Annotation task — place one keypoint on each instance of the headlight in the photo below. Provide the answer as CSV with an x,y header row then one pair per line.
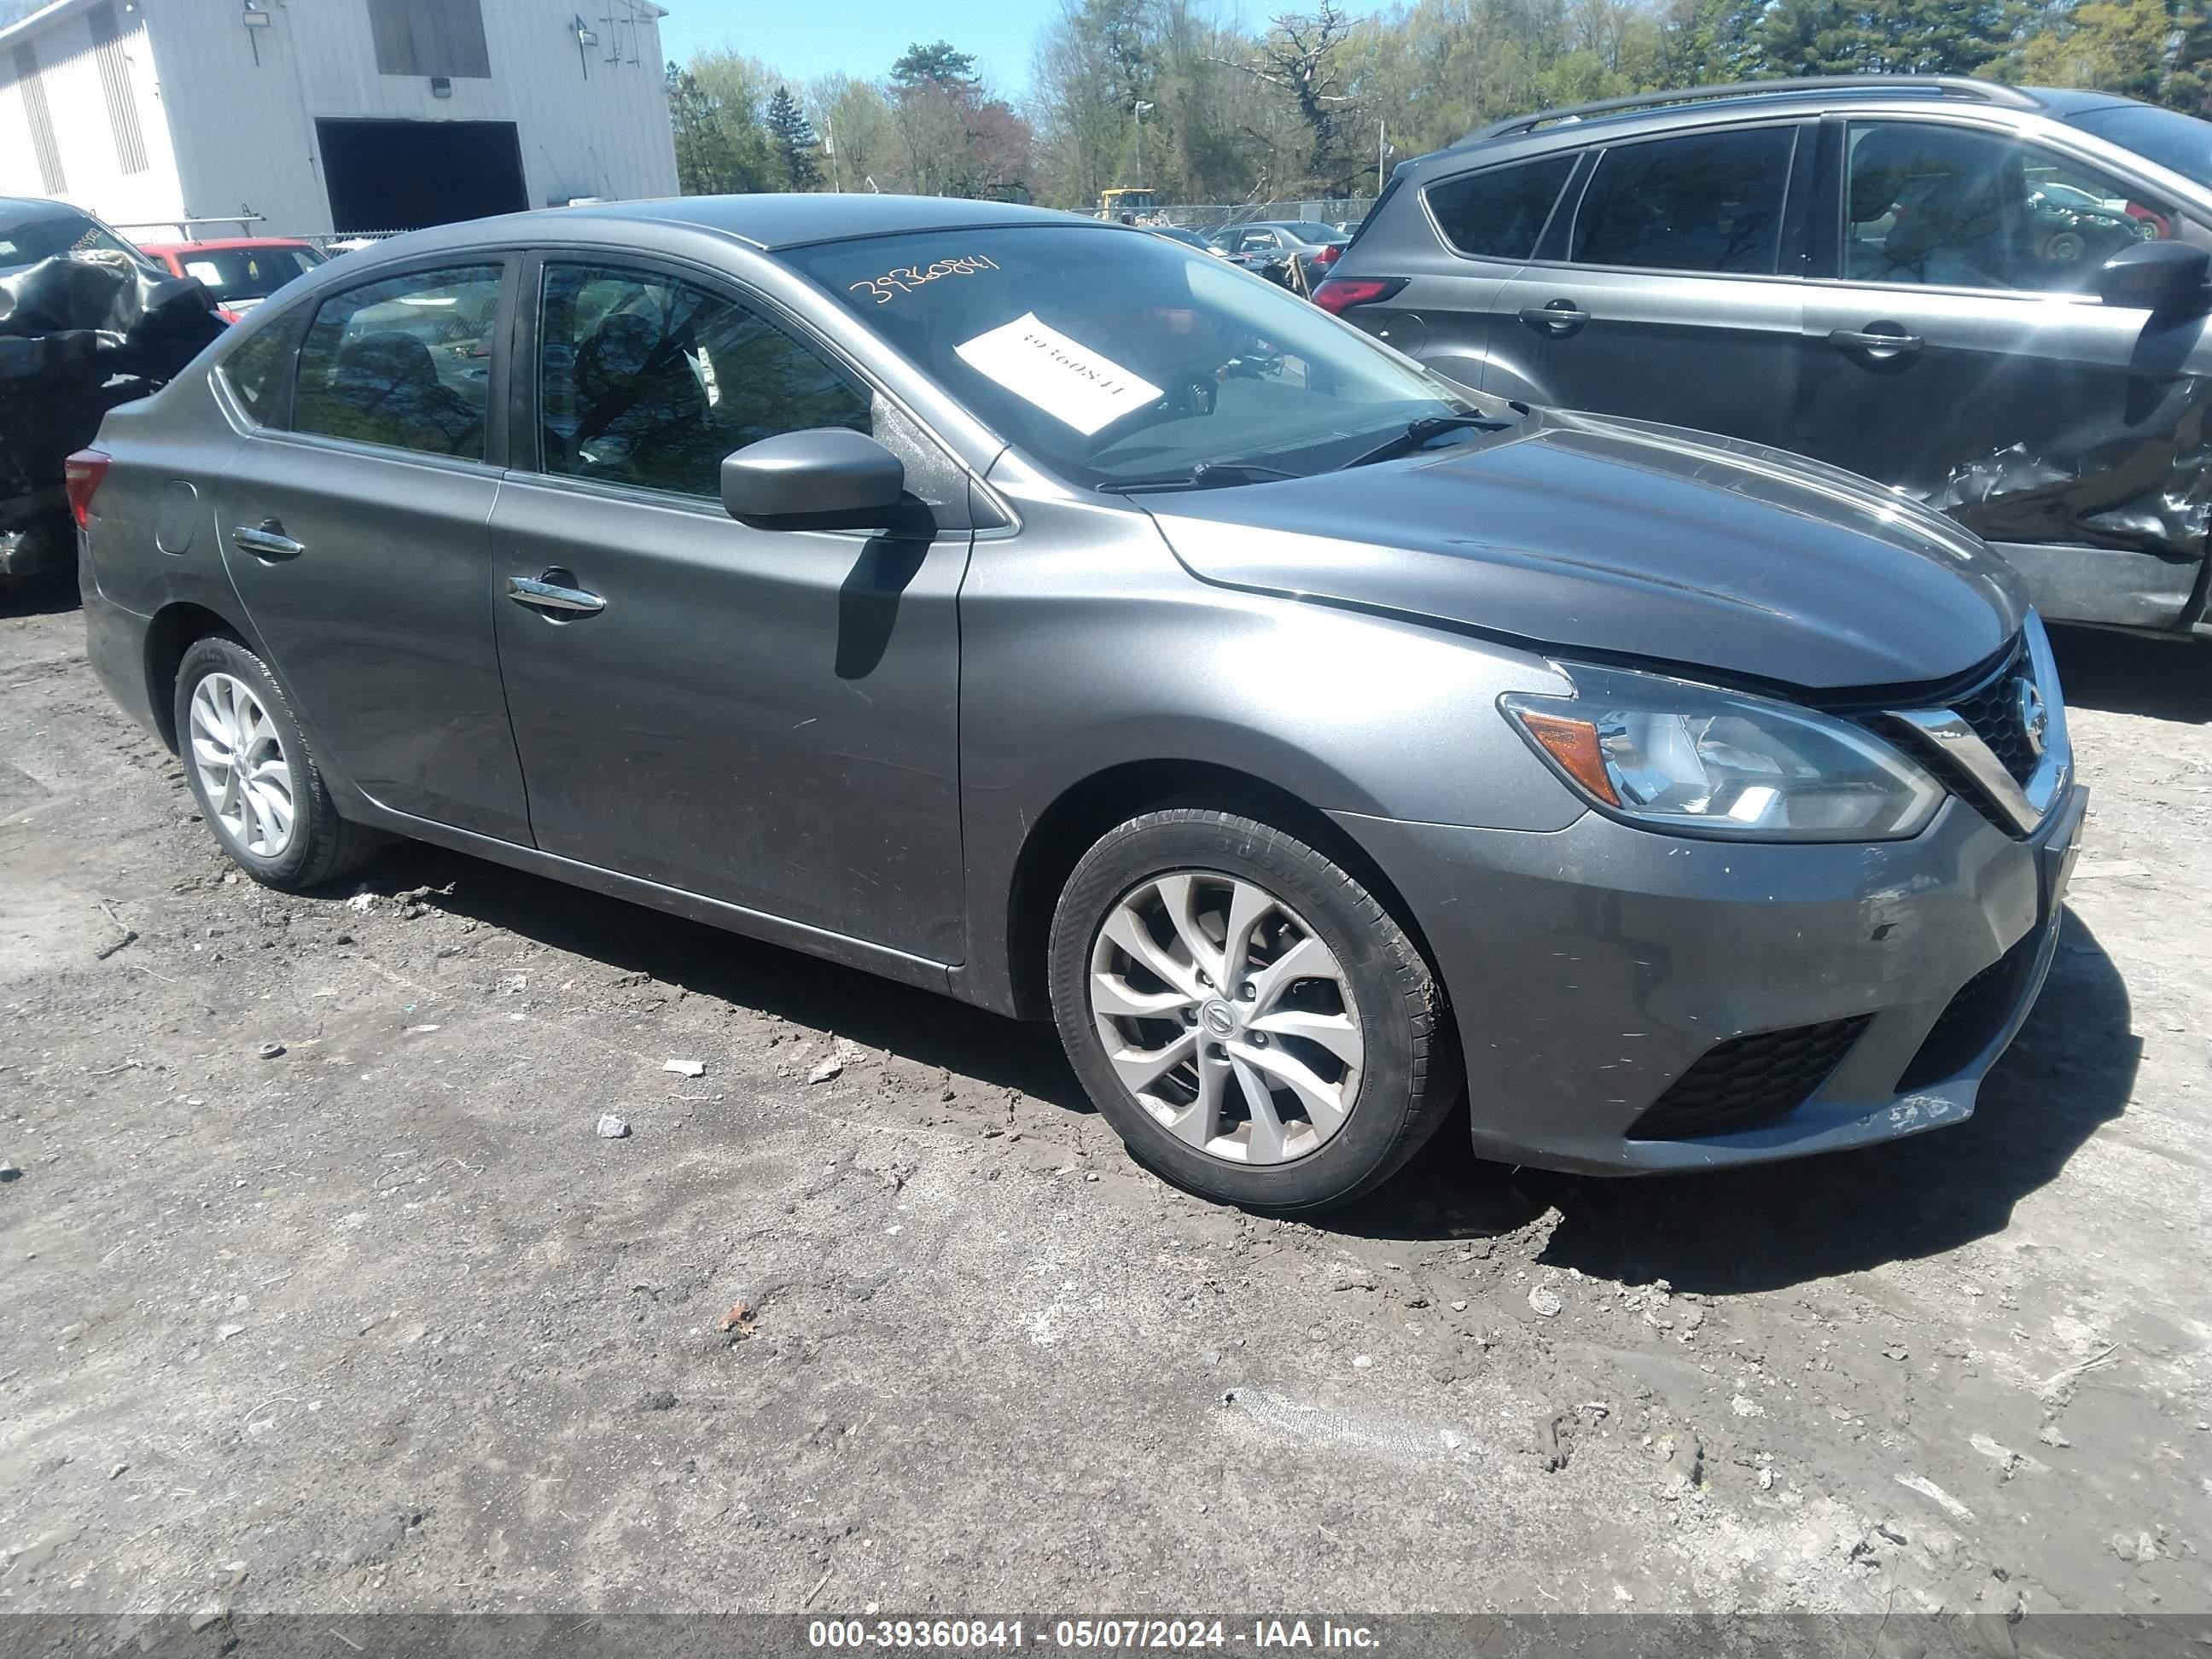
x,y
1699,761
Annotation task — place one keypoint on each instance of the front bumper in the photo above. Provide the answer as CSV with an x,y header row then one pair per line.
x,y
1590,969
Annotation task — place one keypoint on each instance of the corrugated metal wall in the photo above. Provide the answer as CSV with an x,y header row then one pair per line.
x,y
81,115
242,102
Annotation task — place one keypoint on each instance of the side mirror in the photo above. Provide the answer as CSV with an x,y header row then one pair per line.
x,y
2162,277
829,478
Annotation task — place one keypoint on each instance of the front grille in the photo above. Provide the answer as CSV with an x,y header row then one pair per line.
x,y
1971,1023
1992,708
1749,1080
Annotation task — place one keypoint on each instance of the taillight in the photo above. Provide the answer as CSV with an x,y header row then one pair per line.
x,y
82,474
1339,294
1327,254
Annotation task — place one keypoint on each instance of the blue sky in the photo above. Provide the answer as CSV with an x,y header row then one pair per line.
x,y
859,36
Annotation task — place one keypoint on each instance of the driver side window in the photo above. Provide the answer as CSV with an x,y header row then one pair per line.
x,y
1949,206
649,381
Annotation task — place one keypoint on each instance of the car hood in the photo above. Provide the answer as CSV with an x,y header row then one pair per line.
x,y
1572,532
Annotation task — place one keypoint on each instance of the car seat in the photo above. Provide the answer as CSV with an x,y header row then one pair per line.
x,y
1946,196
385,389
635,394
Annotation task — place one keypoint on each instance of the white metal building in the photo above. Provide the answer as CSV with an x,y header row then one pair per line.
x,y
319,116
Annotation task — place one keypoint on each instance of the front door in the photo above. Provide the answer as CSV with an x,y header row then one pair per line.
x,y
767,718
1670,293
359,541
1955,355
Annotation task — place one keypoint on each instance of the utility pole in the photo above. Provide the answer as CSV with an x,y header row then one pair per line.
x,y
1136,116
1384,151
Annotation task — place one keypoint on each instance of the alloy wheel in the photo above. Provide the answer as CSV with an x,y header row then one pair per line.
x,y
1227,1016
240,761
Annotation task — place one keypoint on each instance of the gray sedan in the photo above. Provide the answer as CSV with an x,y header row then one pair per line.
x,y
1043,613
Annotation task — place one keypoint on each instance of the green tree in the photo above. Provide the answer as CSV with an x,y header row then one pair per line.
x,y
935,65
796,145
860,138
2139,47
737,88
706,159
1886,36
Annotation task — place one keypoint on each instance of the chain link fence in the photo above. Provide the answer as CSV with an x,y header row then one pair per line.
x,y
1346,210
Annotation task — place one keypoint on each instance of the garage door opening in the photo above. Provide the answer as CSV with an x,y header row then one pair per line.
x,y
403,175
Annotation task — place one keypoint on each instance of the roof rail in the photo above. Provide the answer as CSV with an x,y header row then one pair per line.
x,y
1948,86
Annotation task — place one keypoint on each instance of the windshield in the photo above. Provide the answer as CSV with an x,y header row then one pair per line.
x,y
246,273
1313,231
22,245
1111,357
2181,143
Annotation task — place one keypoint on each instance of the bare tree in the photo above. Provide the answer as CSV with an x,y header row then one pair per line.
x,y
1300,56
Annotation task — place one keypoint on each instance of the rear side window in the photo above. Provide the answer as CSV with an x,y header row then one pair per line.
x,y
256,370
405,362
1498,213
1705,202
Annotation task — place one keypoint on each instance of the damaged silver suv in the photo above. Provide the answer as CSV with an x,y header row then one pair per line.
x,y
1990,298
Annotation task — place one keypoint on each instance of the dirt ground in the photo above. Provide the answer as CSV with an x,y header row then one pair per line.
x,y
379,1323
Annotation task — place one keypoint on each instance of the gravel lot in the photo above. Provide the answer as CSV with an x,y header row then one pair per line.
x,y
379,1323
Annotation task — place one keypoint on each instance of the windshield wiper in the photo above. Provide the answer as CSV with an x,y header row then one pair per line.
x,y
1207,475
1420,431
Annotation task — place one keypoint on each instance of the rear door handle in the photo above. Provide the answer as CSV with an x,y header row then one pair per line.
x,y
556,598
1560,316
265,540
1875,343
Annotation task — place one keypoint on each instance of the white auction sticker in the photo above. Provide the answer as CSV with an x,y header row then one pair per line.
x,y
1066,379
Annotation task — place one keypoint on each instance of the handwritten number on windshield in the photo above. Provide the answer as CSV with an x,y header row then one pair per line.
x,y
905,279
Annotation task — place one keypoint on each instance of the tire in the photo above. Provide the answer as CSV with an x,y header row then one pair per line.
x,y
1368,1025
317,845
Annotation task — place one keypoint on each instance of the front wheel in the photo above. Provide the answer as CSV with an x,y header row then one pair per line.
x,y
1253,1023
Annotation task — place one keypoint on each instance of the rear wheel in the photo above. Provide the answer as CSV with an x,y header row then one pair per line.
x,y
1253,1023
249,766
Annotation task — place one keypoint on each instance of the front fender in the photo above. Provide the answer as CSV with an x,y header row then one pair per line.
x,y
1078,660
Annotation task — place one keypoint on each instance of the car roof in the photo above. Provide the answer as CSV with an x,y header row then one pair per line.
x,y
1849,89
766,222
1661,112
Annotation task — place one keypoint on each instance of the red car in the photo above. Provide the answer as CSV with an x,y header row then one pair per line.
x,y
239,272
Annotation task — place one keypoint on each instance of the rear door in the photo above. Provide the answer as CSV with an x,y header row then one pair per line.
x,y
1952,352
1669,290
1434,262
355,529
765,718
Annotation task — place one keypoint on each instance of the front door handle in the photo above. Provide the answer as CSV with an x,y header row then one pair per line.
x,y
1876,343
265,540
555,597
1559,317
